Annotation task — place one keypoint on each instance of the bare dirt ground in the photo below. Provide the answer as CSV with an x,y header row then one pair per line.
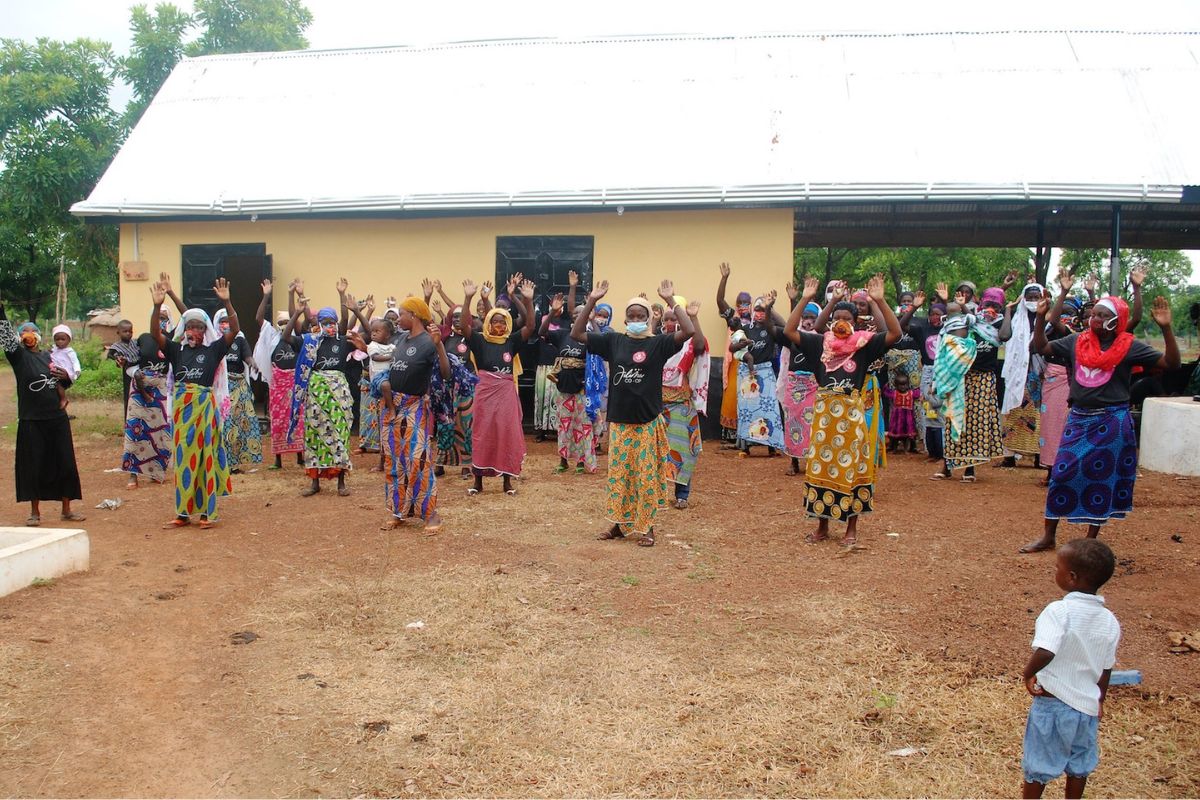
x,y
730,660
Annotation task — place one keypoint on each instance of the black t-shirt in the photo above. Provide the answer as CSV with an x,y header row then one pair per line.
x,y
235,359
987,355
1104,389
635,368
570,381
547,346
284,354
413,362
799,361
37,389
907,341
762,346
150,358
457,346
853,373
196,365
331,354
491,357
925,337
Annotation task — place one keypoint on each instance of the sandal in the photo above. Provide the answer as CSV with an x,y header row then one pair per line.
x,y
131,485
849,542
309,492
74,516
178,522
511,492
472,492
392,524
560,469
343,491
205,525
967,479
579,469
33,521
938,476
612,533
681,504
646,540
812,538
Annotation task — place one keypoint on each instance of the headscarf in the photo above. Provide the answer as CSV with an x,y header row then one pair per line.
x,y
221,378
328,312
1087,345
811,308
487,326
595,376
993,294
861,296
939,307
418,308
969,285
1016,355
644,303
269,337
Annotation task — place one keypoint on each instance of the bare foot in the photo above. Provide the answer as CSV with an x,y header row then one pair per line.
x,y
343,491
1039,546
310,491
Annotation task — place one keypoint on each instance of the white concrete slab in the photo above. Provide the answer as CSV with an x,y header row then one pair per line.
x,y
1171,435
30,553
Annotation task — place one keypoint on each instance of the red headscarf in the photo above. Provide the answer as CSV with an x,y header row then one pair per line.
x,y
1087,344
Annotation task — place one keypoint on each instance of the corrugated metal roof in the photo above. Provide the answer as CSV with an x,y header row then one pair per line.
x,y
670,121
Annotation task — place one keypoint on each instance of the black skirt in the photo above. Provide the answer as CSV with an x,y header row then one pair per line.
x,y
46,468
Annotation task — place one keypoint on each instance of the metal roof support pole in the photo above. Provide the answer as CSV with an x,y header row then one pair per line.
x,y
1041,256
1114,252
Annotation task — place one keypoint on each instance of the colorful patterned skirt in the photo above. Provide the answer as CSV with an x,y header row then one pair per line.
x,y
1055,391
241,431
456,449
637,478
797,393
839,476
498,444
683,434
873,415
758,418
148,440
328,415
1020,427
980,440
545,400
729,398
576,442
370,389
1093,476
906,361
408,462
201,466
283,382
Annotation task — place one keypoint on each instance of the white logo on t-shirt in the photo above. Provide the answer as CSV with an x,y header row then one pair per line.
x,y
412,351
628,375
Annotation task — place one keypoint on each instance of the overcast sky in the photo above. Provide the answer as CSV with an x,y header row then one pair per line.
x,y
364,23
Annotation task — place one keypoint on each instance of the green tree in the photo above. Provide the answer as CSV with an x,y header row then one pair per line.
x,y
57,135
913,268
155,48
250,26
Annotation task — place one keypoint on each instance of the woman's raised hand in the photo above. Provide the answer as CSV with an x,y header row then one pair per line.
x,y
875,287
693,308
572,278
342,285
943,291
810,287
556,303
724,267
469,287
1161,311
527,289
158,294
918,299
598,291
221,288
165,280
666,290
266,286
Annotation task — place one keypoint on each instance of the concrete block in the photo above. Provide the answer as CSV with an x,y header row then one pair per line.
x,y
1171,435
29,553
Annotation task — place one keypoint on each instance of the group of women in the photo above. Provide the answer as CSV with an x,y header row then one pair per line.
x,y
444,393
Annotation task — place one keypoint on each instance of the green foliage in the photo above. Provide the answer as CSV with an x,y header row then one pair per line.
x,y
155,48
913,268
250,26
1167,274
57,135
103,382
90,351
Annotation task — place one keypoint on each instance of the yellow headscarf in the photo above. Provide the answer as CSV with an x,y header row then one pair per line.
x,y
644,303
508,329
418,308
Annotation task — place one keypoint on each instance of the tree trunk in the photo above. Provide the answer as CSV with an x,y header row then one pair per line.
x,y
828,265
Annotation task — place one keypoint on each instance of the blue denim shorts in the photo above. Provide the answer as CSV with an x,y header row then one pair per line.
x,y
1059,739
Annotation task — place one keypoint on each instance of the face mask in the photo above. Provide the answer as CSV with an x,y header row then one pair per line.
x,y
194,338
224,327
1031,305
760,316
935,320
744,311
807,324
1097,325
842,329
31,339
989,314
329,329
636,328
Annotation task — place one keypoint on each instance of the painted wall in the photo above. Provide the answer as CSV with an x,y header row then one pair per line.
x,y
634,251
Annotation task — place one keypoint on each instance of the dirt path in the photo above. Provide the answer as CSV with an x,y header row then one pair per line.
x,y
123,681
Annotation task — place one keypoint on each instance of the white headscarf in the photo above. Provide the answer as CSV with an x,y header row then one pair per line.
x,y
221,378
268,339
251,365
1016,354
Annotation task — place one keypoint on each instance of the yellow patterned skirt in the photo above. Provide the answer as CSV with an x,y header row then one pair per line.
x,y
839,479
637,474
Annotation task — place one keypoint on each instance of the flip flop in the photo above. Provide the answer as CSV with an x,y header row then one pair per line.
x,y
511,492
33,521
472,492
177,523
74,516
560,469
967,479
938,476
647,540
205,525
610,534
810,538
344,491
579,470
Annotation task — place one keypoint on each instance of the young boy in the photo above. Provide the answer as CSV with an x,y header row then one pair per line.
x,y
1074,649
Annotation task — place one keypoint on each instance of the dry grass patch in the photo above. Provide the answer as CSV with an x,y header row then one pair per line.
x,y
522,685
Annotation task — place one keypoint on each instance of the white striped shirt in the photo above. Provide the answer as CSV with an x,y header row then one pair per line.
x,y
1083,636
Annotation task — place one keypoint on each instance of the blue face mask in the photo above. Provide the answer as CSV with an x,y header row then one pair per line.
x,y
637,328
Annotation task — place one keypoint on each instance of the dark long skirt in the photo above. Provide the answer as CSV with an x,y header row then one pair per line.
x,y
46,468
